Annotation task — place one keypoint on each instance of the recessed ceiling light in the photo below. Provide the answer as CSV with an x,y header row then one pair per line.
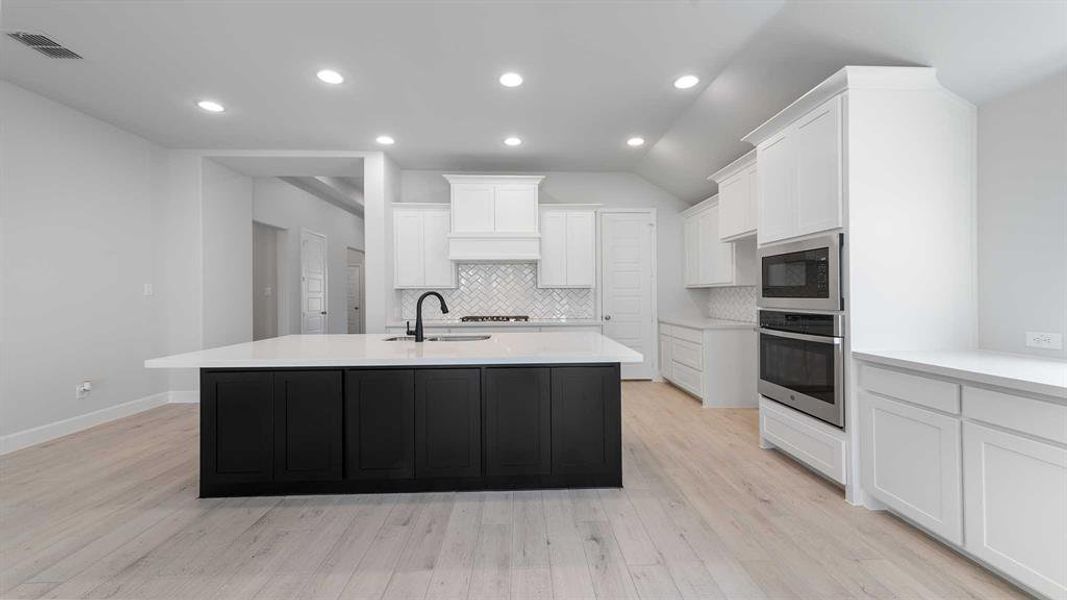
x,y
385,140
686,81
211,106
635,141
511,80
513,141
330,76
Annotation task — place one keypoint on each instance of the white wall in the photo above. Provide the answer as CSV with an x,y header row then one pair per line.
x,y
612,190
1022,216
278,204
79,205
227,251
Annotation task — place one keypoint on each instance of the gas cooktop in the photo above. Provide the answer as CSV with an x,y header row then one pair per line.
x,y
494,318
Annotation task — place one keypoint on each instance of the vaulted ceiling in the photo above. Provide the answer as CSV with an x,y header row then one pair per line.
x,y
596,73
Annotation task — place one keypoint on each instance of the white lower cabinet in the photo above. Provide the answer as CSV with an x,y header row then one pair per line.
x,y
716,365
912,463
665,357
1016,506
816,444
987,474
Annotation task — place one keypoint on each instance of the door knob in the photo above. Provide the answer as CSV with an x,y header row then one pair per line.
x,y
323,312
607,317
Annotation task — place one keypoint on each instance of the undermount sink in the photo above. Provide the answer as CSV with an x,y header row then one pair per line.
x,y
438,338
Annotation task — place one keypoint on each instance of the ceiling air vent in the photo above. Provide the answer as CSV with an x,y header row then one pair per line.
x,y
43,44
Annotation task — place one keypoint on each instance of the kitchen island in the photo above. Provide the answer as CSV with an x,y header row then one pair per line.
x,y
324,414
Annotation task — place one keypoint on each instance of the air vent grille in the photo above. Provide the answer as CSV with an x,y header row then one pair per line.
x,y
43,44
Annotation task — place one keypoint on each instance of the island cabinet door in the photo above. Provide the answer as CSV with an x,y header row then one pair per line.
x,y
518,426
380,424
586,420
307,425
236,427
448,423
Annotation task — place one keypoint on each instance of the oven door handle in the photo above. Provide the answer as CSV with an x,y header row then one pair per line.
x,y
823,339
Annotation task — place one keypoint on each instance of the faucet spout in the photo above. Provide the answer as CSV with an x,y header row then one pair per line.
x,y
418,333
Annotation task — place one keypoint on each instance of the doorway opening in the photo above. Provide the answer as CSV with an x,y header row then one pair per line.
x,y
355,263
267,278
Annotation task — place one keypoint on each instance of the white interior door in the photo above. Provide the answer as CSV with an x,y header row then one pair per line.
x,y
628,297
355,293
312,282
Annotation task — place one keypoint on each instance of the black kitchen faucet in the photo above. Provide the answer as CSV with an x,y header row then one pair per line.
x,y
418,315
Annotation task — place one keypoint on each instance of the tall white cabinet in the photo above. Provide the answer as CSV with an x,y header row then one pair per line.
x,y
710,262
568,246
420,247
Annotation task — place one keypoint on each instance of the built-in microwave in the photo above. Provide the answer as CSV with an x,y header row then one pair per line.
x,y
803,275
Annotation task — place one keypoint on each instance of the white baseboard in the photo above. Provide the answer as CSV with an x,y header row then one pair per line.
x,y
183,397
37,435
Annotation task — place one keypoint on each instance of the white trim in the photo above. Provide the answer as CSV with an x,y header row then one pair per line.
x,y
183,397
44,433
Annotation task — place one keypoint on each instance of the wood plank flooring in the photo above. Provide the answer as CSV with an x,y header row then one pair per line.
x,y
112,512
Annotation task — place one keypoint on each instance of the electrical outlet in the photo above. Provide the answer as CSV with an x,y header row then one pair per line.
x,y
1044,340
82,389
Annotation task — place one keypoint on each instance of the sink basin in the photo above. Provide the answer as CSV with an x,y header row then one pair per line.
x,y
438,338
456,338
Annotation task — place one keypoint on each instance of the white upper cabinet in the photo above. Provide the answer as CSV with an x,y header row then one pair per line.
x,y
420,247
738,198
568,247
799,176
710,262
494,217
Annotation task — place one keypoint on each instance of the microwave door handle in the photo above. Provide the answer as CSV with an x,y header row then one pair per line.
x,y
823,339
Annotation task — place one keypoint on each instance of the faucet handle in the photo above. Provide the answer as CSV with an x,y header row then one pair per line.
x,y
407,328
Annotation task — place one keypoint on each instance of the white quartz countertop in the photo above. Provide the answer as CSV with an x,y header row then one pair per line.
x,y
705,323
1024,373
508,348
441,324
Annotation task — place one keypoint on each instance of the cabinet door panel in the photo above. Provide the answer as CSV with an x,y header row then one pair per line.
x,y
733,206
472,207
586,427
517,421
818,169
716,256
1016,491
581,249
691,234
776,182
515,208
448,421
237,427
552,270
307,425
409,258
912,463
438,270
751,215
380,424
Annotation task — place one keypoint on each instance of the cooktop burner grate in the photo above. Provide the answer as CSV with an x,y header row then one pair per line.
x,y
493,318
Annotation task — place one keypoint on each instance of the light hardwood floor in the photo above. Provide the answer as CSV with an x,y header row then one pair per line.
x,y
112,513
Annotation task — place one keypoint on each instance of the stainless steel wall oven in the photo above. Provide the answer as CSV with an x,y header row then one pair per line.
x,y
801,362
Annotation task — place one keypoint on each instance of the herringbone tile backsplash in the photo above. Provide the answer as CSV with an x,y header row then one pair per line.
x,y
733,303
502,289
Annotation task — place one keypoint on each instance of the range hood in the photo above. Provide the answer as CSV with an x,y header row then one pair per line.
x,y
494,218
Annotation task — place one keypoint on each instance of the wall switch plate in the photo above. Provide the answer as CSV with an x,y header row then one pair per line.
x,y
82,389
148,289
1044,340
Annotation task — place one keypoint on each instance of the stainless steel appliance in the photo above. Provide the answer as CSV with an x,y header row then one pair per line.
x,y
494,318
803,275
801,362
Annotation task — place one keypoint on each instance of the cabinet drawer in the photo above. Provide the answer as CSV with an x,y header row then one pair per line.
x,y
819,446
690,335
688,353
932,393
1042,419
687,378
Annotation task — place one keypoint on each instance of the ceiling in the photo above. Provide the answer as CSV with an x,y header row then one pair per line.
x,y
425,72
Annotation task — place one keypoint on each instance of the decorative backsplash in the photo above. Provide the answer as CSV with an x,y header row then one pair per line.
x,y
501,289
733,303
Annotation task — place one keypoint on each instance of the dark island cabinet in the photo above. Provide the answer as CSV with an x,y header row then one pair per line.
x,y
518,427
379,432
307,425
448,423
278,431
586,421
236,427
